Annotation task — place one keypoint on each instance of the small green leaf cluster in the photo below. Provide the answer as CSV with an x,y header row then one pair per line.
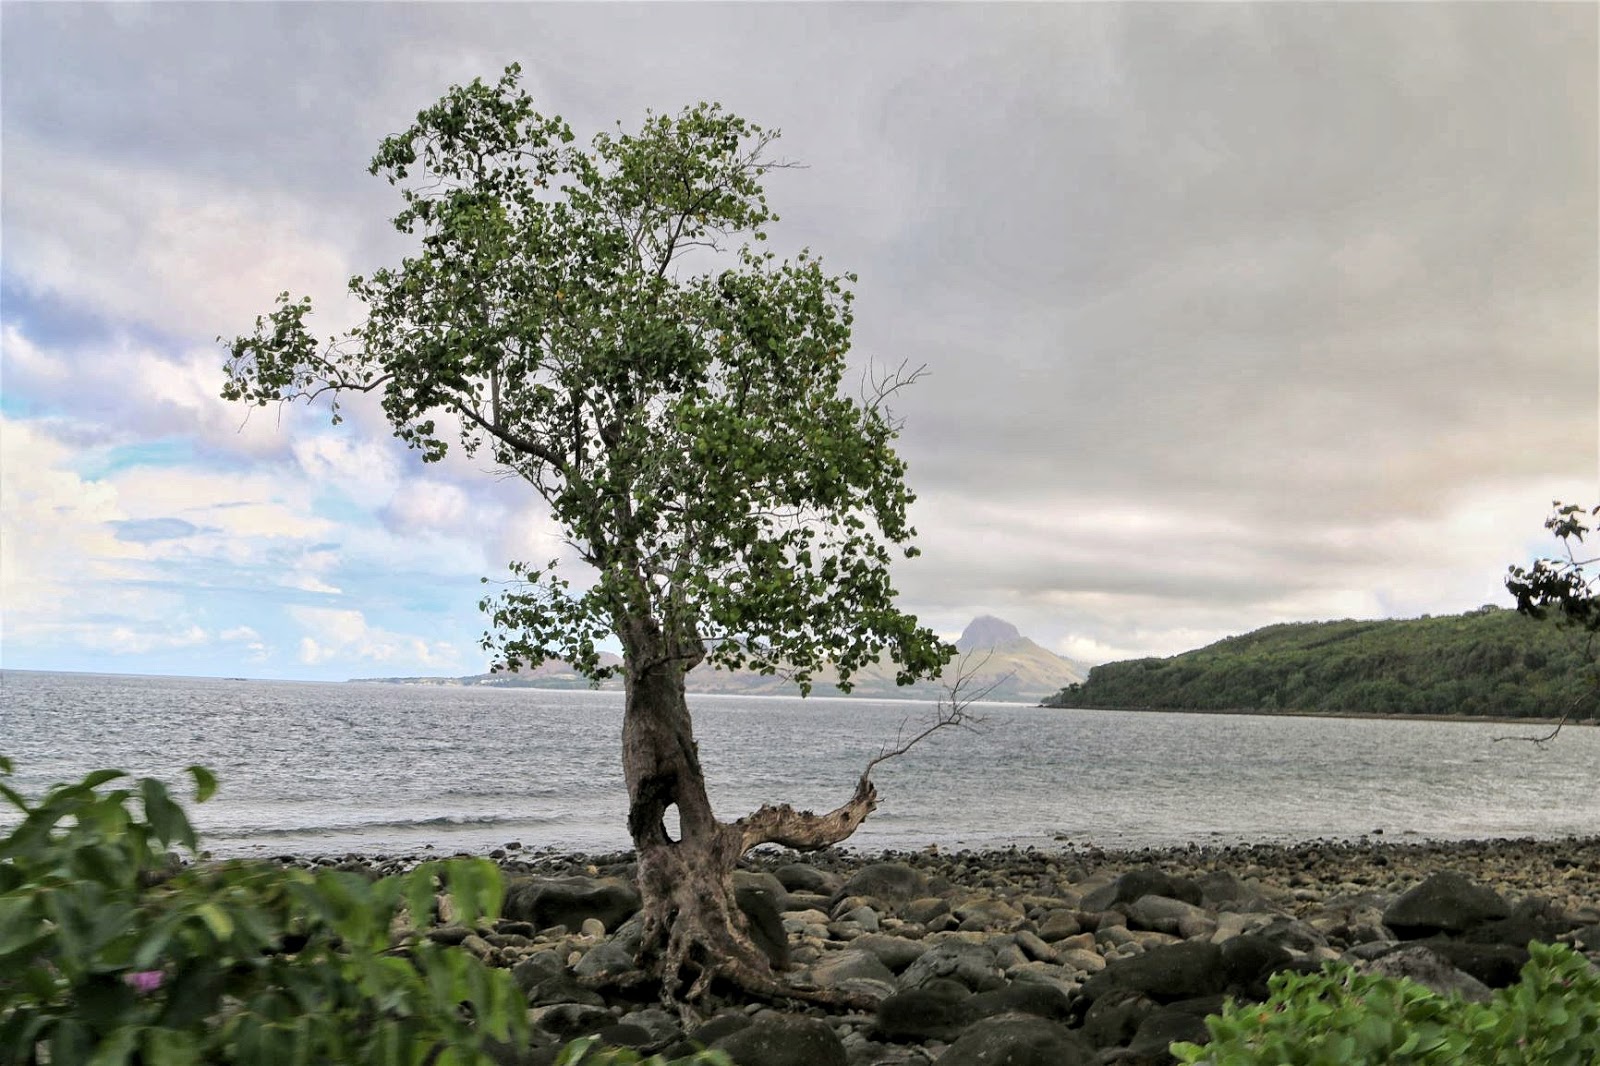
x,y
589,1052
1342,1018
113,952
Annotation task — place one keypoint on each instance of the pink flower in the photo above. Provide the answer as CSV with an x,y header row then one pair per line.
x,y
144,980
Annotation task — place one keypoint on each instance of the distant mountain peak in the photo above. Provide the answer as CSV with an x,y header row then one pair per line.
x,y
985,632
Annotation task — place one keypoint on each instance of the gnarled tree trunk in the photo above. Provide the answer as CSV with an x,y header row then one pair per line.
x,y
694,931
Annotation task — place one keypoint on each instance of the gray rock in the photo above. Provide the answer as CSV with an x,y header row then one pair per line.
x,y
658,1023
805,901
865,917
925,909
801,877
1180,1021
935,1012
1018,1040
891,882
837,967
1529,920
1447,902
604,958
567,1021
760,909
1422,965
971,964
1165,974
1496,965
781,1040
1058,925
1040,1000
1146,881
1114,1018
1247,962
894,952
1165,915
568,901
759,879
562,989
539,966
704,1036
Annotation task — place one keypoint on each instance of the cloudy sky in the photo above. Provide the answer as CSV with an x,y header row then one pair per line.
x,y
1232,314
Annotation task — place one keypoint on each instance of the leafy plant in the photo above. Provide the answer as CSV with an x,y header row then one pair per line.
x,y
1342,1018
112,952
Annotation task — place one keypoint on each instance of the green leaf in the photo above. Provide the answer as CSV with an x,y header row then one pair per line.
x,y
216,920
170,1047
205,783
166,818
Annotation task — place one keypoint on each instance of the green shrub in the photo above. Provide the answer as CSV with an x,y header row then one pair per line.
x,y
112,953
1342,1018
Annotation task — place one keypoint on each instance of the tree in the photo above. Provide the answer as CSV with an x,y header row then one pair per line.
x,y
608,324
1568,587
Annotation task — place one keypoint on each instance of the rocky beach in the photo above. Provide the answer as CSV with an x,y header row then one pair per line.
x,y
1029,957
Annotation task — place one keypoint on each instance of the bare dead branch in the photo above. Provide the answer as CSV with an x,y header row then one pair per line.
x,y
804,831
1566,716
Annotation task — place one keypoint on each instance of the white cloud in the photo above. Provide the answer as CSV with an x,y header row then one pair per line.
x,y
334,634
158,246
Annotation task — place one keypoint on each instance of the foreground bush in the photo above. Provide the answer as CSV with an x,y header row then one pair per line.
x,y
1342,1018
110,953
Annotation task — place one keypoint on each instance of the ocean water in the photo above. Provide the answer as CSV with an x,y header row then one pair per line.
x,y
333,768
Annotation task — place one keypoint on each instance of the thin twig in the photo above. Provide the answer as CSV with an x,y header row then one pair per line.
x,y
952,710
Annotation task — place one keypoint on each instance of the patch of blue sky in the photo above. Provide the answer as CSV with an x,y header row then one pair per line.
x,y
149,530
162,452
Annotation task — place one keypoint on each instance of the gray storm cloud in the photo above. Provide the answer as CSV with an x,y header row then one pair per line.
x,y
1311,286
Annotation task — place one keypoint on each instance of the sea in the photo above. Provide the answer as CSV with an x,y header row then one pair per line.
x,y
373,768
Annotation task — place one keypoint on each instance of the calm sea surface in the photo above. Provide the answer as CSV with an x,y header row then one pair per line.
x,y
329,768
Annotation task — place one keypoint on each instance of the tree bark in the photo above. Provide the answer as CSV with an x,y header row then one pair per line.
x,y
694,931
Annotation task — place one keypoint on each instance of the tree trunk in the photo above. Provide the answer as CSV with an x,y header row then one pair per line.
x,y
694,931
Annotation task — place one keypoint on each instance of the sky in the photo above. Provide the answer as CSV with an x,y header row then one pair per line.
x,y
1232,314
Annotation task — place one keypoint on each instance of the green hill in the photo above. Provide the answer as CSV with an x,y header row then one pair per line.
x,y
1486,662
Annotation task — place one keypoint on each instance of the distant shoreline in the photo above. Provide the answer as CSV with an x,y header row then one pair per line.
x,y
1355,715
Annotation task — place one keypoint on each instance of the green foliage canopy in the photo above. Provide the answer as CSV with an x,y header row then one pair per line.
x,y
1338,1017
110,953
606,322
1486,662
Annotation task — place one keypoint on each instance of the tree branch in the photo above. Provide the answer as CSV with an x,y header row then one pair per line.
x,y
805,831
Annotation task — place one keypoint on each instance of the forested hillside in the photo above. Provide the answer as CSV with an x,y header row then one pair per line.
x,y
1486,662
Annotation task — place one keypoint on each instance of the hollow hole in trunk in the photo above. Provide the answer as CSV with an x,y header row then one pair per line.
x,y
669,819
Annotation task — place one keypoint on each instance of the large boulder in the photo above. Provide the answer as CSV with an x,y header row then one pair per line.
x,y
1022,997
936,1011
1249,960
568,901
782,1040
972,964
803,877
1145,881
1166,973
1447,902
1018,1040
893,951
1165,915
854,971
1185,1020
1496,965
890,882
761,912
1114,1018
1425,967
1529,920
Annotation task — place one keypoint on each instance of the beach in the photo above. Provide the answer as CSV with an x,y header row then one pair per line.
x,y
1100,956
